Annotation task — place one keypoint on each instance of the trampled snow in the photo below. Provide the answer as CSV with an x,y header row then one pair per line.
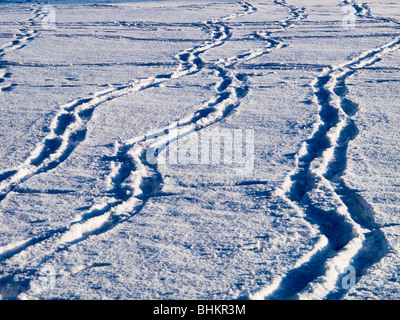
x,y
199,149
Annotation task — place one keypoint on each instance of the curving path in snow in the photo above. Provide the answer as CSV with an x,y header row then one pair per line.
x,y
315,188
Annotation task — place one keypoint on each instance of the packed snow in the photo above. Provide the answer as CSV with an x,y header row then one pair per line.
x,y
214,149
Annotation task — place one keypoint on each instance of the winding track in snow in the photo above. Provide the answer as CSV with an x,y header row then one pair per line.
x,y
315,186
68,129
316,178
134,180
375,245
24,35
69,126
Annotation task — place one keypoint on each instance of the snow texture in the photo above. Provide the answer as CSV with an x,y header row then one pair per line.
x,y
110,189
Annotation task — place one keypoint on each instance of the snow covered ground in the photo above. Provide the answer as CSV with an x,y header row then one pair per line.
x,y
109,184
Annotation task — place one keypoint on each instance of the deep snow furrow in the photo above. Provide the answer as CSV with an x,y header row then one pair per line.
x,y
20,39
310,187
371,243
375,245
69,126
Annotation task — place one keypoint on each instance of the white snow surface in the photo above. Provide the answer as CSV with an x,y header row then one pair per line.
x,y
84,214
